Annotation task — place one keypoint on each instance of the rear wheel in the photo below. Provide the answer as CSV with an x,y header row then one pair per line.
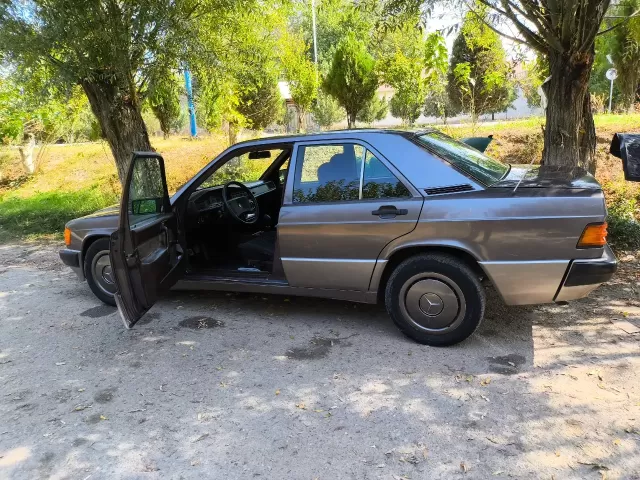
x,y
435,299
97,271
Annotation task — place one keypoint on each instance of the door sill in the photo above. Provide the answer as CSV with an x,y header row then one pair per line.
x,y
241,276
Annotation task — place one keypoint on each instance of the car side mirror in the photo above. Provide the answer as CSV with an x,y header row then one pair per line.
x,y
145,206
626,146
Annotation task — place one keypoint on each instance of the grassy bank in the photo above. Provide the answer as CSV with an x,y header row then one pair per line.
x,y
74,180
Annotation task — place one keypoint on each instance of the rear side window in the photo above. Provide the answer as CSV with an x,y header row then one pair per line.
x,y
328,173
379,182
477,165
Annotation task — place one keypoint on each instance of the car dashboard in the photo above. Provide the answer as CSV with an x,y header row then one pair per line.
x,y
206,205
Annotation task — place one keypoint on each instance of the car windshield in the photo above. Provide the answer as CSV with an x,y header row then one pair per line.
x,y
484,169
244,168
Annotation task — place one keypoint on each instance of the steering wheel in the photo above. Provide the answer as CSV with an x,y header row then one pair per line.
x,y
244,209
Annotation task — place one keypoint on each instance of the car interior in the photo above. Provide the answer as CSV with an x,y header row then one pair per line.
x,y
232,216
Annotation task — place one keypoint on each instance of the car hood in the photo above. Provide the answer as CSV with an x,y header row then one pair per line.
x,y
105,212
548,176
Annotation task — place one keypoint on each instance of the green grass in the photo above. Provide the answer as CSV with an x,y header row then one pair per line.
x,y
44,214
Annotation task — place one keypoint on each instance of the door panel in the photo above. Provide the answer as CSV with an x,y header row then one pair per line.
x,y
145,254
335,244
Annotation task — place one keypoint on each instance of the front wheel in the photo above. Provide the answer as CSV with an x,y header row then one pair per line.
x,y
435,299
97,271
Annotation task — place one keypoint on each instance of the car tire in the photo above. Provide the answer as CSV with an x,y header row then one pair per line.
x,y
435,299
97,271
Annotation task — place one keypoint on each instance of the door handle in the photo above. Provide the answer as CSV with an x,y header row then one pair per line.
x,y
389,211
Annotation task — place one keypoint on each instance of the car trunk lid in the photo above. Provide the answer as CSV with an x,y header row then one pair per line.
x,y
548,176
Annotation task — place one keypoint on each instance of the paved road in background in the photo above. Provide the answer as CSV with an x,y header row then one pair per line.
x,y
251,386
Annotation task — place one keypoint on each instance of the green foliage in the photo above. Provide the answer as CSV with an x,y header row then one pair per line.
x,y
535,71
237,67
623,45
163,96
374,110
335,20
479,78
352,79
326,110
32,105
300,72
402,66
437,103
623,213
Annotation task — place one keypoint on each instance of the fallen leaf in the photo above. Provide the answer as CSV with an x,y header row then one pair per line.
x,y
318,411
463,467
485,381
102,417
557,453
277,392
79,408
201,437
81,389
497,472
617,442
301,406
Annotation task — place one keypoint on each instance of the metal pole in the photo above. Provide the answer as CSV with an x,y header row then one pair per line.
x,y
610,95
192,110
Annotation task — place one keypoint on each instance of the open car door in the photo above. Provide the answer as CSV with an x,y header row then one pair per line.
x,y
145,254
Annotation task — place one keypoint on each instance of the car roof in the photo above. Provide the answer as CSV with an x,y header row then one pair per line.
x,y
330,134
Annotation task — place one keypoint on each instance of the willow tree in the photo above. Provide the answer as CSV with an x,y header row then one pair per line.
x,y
107,47
564,32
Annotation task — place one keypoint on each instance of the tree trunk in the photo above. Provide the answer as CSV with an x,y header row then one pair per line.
x,y
233,132
26,154
351,120
569,134
115,104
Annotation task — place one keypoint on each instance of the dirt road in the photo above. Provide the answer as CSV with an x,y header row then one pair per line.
x,y
251,386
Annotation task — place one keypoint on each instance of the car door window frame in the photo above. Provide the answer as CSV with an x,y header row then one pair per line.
x,y
293,165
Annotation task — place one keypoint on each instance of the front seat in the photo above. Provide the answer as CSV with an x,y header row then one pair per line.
x,y
342,166
259,248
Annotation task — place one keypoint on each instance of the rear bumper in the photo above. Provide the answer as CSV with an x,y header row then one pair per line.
x,y
584,276
71,258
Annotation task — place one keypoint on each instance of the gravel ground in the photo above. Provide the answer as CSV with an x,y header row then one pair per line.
x,y
242,386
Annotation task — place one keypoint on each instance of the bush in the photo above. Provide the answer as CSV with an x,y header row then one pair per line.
x,y
624,211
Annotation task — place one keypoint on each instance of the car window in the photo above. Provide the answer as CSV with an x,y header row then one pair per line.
x,y
482,168
242,168
379,182
146,190
328,173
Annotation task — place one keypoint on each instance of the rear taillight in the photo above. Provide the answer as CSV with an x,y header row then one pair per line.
x,y
593,236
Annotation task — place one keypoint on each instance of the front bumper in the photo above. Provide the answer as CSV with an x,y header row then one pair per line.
x,y
584,276
71,258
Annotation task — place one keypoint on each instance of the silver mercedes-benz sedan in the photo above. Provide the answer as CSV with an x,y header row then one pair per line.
x,y
416,220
